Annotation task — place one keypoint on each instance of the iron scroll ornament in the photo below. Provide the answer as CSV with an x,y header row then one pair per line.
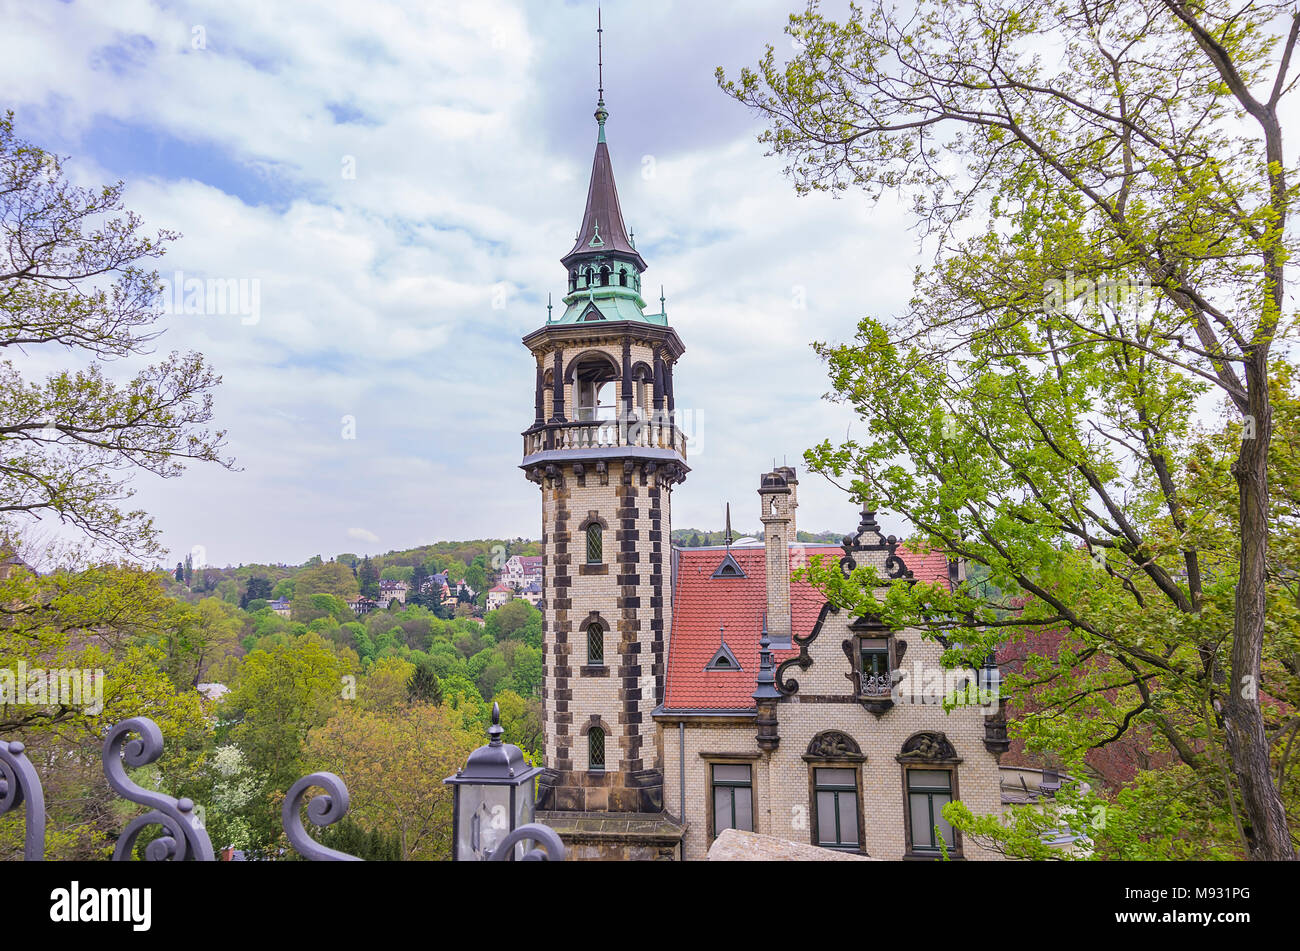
x,y
185,837
547,845
323,810
789,686
20,786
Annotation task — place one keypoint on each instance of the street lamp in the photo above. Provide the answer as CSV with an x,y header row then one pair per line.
x,y
494,805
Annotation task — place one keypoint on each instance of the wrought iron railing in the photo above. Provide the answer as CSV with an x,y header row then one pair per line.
x,y
877,685
138,742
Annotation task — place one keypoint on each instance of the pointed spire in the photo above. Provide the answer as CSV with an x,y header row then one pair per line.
x,y
728,526
603,232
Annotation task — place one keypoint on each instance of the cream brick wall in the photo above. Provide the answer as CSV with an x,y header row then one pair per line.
x,y
781,778
600,695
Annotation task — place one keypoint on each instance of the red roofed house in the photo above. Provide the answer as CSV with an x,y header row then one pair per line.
x,y
663,720
838,736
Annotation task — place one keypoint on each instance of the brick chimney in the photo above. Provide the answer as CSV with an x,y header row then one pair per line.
x,y
776,497
792,480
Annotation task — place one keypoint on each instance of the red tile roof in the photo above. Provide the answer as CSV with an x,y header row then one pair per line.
x,y
702,603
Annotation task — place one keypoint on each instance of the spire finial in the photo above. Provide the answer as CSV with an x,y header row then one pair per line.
x,y
601,112
548,307
728,526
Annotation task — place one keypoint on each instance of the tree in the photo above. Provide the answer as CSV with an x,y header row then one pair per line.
x,y
1112,236
416,595
521,719
326,578
395,763
310,607
476,574
257,588
384,685
368,579
511,620
198,636
278,696
72,275
423,685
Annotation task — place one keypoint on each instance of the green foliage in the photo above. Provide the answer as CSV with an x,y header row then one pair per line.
x,y
277,697
423,685
326,578
1111,230
73,275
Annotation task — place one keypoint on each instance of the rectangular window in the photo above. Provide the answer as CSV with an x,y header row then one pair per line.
x,y
595,553
595,748
928,791
877,678
837,807
733,803
595,645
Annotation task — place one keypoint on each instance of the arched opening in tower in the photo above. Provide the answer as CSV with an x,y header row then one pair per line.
x,y
597,399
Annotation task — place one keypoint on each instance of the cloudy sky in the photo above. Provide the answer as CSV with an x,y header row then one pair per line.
x,y
400,179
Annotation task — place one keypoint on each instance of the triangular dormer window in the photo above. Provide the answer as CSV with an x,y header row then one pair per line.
x,y
724,659
729,568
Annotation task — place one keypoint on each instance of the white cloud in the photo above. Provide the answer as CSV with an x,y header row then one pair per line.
x,y
376,292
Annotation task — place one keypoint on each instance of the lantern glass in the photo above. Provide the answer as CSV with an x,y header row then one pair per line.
x,y
484,819
525,806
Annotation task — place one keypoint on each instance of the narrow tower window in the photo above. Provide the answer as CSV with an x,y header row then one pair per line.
x,y
595,645
588,274
604,275
573,280
595,552
595,748
622,277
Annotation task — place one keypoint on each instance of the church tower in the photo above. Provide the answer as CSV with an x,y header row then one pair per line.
x,y
605,452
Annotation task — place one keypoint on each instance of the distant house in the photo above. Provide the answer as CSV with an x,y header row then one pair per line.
x,y
520,571
449,588
362,605
390,590
498,595
280,606
532,593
